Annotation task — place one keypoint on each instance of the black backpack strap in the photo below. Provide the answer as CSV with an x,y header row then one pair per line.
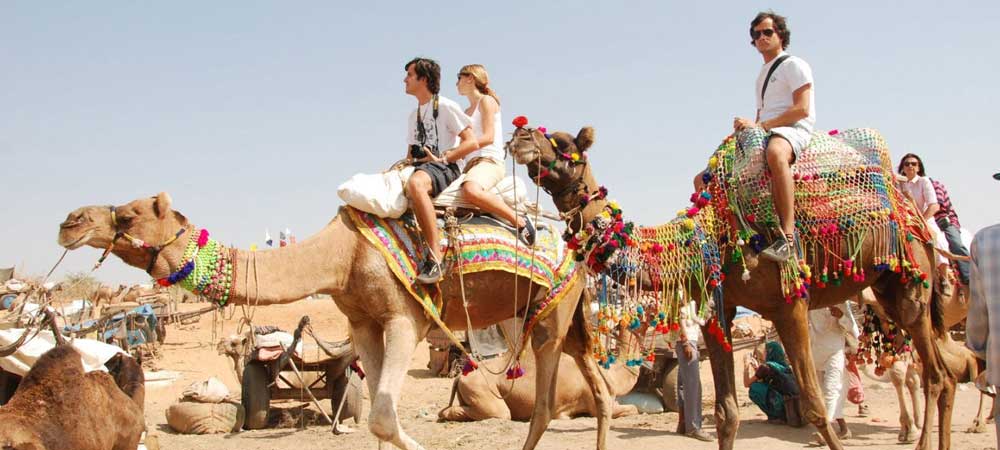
x,y
774,66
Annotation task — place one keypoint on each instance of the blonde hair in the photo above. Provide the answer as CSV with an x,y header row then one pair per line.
x,y
480,78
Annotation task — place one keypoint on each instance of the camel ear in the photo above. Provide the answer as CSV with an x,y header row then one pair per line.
x,y
585,138
161,204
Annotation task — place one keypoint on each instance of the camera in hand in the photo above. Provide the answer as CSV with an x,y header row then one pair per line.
x,y
417,151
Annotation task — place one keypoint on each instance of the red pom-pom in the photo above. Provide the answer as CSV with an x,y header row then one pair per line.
x,y
520,121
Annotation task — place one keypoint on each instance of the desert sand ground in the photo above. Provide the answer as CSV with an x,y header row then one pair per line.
x,y
190,351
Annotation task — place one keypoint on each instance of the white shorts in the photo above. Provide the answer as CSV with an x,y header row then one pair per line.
x,y
796,135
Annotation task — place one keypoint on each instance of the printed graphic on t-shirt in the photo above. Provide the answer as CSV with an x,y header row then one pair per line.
x,y
430,137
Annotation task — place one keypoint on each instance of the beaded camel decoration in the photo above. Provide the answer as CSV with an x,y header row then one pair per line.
x,y
649,273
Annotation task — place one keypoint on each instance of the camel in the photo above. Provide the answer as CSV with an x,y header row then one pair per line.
x,y
106,294
490,394
83,411
911,305
904,373
386,323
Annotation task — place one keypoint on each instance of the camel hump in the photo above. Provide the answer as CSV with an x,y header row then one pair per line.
x,y
55,366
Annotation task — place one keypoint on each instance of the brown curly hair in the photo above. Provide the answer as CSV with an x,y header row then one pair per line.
x,y
780,26
427,69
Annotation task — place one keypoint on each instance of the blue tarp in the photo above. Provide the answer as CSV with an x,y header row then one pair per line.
x,y
133,337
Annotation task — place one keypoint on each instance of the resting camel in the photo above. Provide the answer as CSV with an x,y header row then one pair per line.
x,y
386,323
910,305
489,394
82,411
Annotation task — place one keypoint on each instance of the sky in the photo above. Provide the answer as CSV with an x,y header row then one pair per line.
x,y
250,114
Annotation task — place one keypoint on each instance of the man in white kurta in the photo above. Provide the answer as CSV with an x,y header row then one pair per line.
x,y
831,331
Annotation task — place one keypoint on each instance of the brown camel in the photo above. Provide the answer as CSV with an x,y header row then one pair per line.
x,y
909,305
904,374
489,394
82,411
386,323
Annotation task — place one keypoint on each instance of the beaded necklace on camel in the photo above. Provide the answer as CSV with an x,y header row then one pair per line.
x,y
207,270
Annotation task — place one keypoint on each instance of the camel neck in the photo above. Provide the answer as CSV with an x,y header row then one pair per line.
x,y
319,264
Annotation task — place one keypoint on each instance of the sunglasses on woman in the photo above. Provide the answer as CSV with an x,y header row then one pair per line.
x,y
911,163
755,34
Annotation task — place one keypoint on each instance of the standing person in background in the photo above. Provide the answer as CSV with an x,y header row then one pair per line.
x,y
984,306
832,331
689,375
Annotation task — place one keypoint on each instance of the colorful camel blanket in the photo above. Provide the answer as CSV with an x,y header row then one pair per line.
x,y
844,193
478,246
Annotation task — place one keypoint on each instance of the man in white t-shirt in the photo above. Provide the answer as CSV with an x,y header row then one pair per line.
x,y
785,107
438,132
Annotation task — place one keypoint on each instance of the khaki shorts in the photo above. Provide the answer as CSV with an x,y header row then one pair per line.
x,y
485,172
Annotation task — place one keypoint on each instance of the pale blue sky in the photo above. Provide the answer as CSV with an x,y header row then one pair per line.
x,y
251,113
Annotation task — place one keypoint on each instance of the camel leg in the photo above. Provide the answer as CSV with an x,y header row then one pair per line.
x,y
913,385
946,403
547,342
400,343
576,346
978,424
898,378
793,328
727,412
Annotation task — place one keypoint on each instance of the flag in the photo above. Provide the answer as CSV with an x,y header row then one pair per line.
x,y
267,238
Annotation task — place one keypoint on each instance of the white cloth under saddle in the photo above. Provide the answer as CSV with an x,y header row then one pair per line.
x,y
383,194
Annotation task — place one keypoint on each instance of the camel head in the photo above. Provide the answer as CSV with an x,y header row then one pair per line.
x,y
234,346
131,232
556,161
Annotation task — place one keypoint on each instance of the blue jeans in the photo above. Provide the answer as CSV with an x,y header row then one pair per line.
x,y
955,245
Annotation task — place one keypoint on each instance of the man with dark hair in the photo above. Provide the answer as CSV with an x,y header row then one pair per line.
x,y
786,109
438,132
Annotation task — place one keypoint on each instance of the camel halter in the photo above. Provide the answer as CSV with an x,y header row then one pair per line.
x,y
576,183
153,250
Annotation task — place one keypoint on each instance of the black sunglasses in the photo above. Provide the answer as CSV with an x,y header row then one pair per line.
x,y
911,163
755,34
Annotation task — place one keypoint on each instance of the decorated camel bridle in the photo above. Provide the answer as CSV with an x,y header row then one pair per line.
x,y
153,250
595,242
207,270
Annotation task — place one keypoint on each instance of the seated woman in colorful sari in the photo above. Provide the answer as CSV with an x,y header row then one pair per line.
x,y
772,385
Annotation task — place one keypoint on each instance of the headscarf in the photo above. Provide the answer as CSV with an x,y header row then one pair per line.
x,y
775,353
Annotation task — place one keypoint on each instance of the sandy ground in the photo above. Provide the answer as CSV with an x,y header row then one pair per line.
x,y
190,351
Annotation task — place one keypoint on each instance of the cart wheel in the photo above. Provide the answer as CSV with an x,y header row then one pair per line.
x,y
256,397
668,389
354,405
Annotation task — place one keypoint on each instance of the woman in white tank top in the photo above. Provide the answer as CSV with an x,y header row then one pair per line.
x,y
484,166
